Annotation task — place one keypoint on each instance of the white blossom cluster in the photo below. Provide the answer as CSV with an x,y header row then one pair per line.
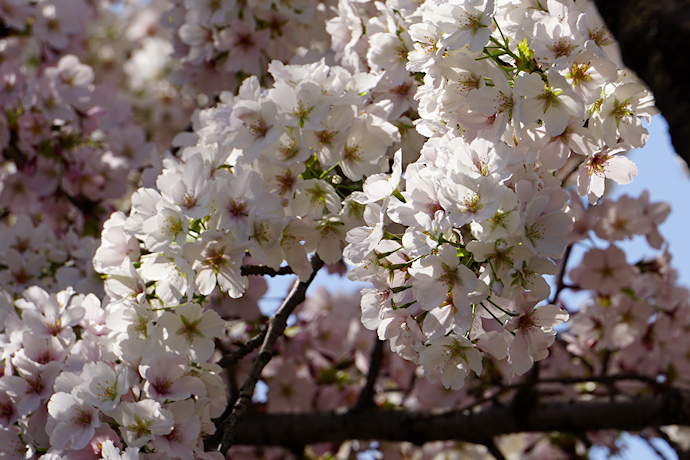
x,y
312,157
457,245
260,180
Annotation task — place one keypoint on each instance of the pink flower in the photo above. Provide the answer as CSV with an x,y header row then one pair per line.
x,y
72,421
533,328
604,271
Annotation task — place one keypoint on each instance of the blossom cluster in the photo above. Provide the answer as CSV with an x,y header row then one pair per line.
x,y
220,43
69,143
429,145
512,95
75,369
637,312
259,181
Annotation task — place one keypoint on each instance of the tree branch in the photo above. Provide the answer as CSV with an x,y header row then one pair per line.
x,y
261,270
275,328
366,396
682,453
480,427
494,450
652,446
560,285
250,345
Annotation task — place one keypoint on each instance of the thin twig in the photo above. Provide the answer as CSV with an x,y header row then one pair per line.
x,y
653,447
275,328
560,285
494,450
603,379
486,399
366,396
606,379
682,453
249,346
410,386
229,371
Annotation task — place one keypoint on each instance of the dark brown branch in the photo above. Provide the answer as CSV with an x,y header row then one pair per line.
x,y
494,450
260,270
651,445
419,427
560,285
275,328
250,345
366,396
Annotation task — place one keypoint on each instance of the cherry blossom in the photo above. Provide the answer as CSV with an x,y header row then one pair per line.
x,y
159,158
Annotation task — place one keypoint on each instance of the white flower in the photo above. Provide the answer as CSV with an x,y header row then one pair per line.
x,y
172,273
301,105
167,379
426,50
620,116
593,172
110,452
544,232
314,197
51,314
468,199
455,357
436,277
605,271
379,186
363,240
365,146
406,338
142,420
552,102
188,188
216,258
166,226
102,386
182,440
116,245
463,22
190,330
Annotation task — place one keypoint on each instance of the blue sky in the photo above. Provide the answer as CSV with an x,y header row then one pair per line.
x,y
663,173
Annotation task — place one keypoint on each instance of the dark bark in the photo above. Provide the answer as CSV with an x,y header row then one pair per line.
x,y
653,37
481,427
275,328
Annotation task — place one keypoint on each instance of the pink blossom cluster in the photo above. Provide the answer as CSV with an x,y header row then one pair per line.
x,y
637,312
220,43
65,153
33,255
69,143
73,370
